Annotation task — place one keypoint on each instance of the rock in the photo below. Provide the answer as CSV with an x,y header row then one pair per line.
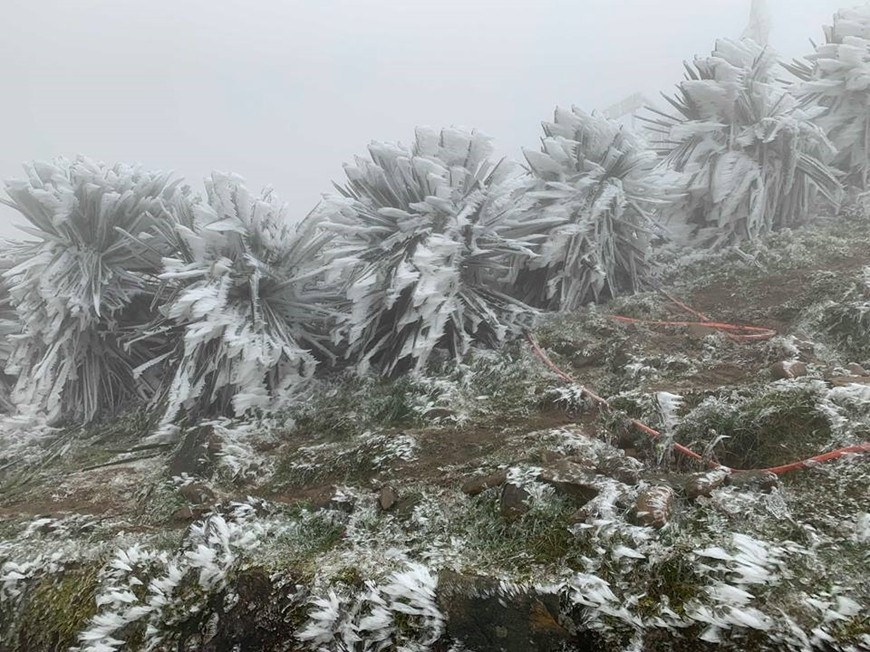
x,y
788,369
257,618
580,516
551,457
485,617
654,506
478,485
762,480
620,467
439,413
703,484
187,514
513,502
197,494
855,369
387,498
570,479
331,498
580,461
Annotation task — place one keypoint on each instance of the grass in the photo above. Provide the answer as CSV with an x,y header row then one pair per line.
x,y
54,609
761,427
847,323
309,535
352,405
540,537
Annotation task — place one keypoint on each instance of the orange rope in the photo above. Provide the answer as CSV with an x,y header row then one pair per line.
x,y
755,333
652,432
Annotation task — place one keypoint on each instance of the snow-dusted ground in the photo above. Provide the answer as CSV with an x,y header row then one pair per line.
x,y
282,536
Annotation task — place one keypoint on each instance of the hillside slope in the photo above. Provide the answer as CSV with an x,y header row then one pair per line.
x,y
493,508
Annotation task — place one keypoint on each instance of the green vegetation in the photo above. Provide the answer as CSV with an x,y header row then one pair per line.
x,y
759,427
52,610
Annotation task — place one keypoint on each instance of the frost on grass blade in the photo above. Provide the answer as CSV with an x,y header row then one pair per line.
x,y
153,592
401,614
423,246
9,327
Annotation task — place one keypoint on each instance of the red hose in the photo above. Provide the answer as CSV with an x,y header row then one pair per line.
x,y
687,452
734,331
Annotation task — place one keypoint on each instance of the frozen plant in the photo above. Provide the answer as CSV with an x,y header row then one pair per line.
x,y
399,615
240,456
9,327
422,243
836,77
162,590
591,194
81,289
242,298
752,159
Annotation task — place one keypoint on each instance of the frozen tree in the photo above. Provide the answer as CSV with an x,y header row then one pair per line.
x,y
422,244
80,290
836,77
241,302
752,158
590,195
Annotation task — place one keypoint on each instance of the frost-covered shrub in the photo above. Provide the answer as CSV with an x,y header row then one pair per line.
x,y
846,320
422,243
81,289
8,328
752,158
239,299
163,598
836,77
591,192
401,614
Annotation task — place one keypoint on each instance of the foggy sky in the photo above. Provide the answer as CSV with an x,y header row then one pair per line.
x,y
284,91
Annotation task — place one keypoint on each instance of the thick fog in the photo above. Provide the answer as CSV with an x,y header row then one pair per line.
x,y
284,91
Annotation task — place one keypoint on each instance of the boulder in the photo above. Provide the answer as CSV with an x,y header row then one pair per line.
x,y
571,479
761,480
197,494
620,467
513,502
479,484
788,369
187,514
703,484
654,506
484,616
387,498
330,498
